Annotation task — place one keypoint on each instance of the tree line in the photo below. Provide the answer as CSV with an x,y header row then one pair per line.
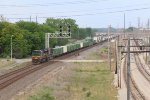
x,y
29,36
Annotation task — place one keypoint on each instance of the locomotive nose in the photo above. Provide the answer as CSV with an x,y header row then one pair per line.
x,y
35,57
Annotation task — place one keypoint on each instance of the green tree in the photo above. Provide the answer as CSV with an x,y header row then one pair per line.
x,y
18,40
29,36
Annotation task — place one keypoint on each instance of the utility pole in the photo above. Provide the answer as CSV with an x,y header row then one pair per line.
x,y
148,25
124,24
36,20
116,56
11,47
119,62
109,56
138,24
130,25
116,71
78,39
117,59
30,18
78,33
147,43
128,71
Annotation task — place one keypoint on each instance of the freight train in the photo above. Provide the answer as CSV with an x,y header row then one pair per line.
x,y
39,56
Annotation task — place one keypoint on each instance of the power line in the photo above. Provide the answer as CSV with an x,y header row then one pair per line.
x,y
80,10
65,3
54,4
102,8
90,14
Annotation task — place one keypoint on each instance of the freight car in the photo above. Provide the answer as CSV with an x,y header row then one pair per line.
x,y
39,56
57,51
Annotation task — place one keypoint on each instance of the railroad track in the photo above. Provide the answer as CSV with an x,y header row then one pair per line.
x,y
11,77
136,93
141,67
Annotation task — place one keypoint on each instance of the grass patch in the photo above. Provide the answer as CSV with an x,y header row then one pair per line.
x,y
43,94
99,54
92,81
104,50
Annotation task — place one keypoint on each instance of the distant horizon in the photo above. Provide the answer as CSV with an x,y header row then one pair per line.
x,y
79,26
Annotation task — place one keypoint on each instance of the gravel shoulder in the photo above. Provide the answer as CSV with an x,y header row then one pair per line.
x,y
6,65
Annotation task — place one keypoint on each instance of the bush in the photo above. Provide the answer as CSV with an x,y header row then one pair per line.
x,y
88,94
44,94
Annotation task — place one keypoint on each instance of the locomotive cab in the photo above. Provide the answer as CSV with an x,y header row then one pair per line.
x,y
39,56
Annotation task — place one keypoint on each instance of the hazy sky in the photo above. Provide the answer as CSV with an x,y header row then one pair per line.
x,y
87,13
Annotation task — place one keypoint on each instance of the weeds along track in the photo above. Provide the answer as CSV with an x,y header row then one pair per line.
x,y
10,77
135,92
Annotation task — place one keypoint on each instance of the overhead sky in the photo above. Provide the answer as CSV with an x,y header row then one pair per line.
x,y
87,13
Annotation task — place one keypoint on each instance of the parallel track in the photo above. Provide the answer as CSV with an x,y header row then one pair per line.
x,y
11,77
141,67
136,93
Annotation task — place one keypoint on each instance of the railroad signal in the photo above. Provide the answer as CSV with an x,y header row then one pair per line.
x,y
61,30
69,30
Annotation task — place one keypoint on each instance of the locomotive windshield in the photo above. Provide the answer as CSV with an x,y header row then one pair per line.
x,y
36,53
